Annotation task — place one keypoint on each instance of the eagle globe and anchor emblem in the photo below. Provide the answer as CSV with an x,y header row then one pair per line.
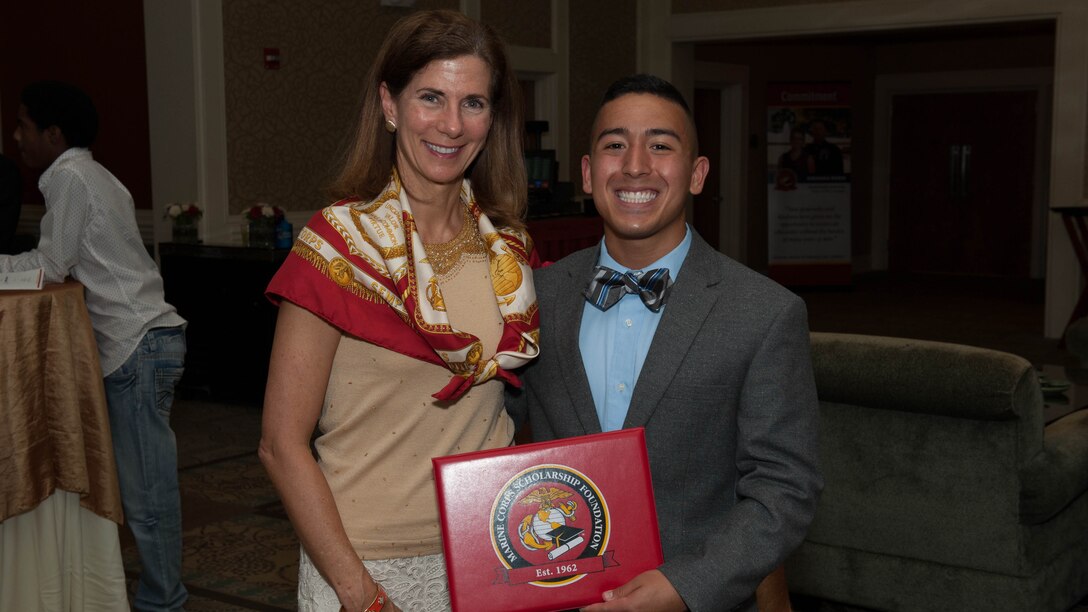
x,y
550,527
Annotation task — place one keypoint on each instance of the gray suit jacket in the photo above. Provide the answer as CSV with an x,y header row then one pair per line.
x,y
729,404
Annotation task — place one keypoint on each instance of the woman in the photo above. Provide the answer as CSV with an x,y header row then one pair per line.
x,y
402,310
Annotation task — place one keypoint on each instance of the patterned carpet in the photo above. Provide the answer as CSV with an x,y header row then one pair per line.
x,y
240,552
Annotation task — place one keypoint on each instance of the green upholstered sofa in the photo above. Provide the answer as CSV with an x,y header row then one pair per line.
x,y
944,489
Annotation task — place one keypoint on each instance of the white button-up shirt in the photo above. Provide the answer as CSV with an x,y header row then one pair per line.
x,y
89,232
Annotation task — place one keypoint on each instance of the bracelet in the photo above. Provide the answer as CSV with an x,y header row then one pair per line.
x,y
379,600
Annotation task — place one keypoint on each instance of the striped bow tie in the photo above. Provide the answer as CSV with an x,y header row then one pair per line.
x,y
608,286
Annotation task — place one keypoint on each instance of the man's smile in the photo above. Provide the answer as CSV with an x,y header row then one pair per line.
x,y
636,197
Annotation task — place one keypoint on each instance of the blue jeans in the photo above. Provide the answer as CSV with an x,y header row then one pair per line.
x,y
140,394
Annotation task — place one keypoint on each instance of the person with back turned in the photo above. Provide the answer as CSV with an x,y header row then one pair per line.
x,y
89,233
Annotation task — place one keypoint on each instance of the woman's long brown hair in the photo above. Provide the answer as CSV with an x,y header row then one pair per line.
x,y
498,173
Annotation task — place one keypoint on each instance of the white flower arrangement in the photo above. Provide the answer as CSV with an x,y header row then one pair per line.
x,y
264,212
184,213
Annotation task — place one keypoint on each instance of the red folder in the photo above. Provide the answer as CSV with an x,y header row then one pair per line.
x,y
547,526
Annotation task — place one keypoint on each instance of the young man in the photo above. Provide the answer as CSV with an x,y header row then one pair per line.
x,y
89,232
710,357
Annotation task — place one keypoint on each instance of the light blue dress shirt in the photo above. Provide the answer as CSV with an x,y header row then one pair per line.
x,y
614,342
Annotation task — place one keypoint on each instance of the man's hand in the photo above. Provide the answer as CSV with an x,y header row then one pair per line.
x,y
649,591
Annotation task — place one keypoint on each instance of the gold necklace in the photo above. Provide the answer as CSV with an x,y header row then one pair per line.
x,y
444,257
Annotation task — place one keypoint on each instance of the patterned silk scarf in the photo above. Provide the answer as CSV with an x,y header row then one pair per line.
x,y
362,267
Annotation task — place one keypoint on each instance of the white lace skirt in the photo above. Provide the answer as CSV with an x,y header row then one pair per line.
x,y
414,584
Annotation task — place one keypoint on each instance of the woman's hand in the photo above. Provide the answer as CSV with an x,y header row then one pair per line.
x,y
368,602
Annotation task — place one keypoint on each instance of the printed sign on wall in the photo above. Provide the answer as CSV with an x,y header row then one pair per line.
x,y
808,183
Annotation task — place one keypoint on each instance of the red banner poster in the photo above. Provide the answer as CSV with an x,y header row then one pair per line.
x,y
808,183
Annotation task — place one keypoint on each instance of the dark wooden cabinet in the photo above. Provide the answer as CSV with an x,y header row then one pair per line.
x,y
219,290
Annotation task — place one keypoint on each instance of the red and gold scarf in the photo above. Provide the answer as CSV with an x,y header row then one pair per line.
x,y
360,266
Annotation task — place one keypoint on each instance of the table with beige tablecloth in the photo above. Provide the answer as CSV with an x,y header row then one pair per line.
x,y
60,505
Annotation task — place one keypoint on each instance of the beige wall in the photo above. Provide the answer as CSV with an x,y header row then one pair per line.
x,y
529,26
285,127
602,49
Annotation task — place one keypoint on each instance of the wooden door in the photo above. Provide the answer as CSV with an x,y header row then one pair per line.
x,y
706,214
961,183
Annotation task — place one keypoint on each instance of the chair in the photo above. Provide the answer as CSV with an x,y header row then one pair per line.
x,y
944,488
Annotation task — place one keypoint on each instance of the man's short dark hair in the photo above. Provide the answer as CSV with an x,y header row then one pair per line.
x,y
655,86
645,84
66,106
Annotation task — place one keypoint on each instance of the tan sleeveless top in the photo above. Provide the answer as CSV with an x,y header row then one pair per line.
x,y
380,427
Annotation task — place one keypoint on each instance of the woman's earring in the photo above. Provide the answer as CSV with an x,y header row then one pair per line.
x,y
390,126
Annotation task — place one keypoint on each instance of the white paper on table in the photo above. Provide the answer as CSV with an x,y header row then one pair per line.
x,y
29,279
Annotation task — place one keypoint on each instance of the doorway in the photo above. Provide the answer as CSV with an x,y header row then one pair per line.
x,y
721,121
706,211
961,183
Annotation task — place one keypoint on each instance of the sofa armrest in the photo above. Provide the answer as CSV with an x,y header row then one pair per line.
x,y
1057,474
924,377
